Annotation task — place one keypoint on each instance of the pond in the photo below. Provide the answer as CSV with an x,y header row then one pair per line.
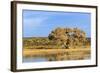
x,y
77,55
37,59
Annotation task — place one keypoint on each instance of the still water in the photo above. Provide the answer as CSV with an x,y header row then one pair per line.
x,y
60,57
37,59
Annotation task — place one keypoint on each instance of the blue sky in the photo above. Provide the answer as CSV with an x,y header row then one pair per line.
x,y
41,23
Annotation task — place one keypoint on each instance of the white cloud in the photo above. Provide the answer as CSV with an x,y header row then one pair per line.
x,y
34,22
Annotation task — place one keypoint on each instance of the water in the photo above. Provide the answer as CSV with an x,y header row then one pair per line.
x,y
37,59
58,57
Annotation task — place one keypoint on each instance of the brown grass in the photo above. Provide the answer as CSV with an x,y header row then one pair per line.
x,y
70,53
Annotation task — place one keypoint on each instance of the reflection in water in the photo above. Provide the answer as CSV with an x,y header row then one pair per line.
x,y
55,58
58,56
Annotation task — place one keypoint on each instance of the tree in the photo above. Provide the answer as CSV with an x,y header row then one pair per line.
x,y
79,36
67,37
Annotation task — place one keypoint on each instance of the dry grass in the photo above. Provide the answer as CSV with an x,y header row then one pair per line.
x,y
50,51
70,54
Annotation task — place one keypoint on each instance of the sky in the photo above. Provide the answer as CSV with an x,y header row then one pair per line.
x,y
41,23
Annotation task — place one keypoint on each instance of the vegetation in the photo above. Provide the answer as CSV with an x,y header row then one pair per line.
x,y
39,43
59,38
68,38
58,54
61,44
